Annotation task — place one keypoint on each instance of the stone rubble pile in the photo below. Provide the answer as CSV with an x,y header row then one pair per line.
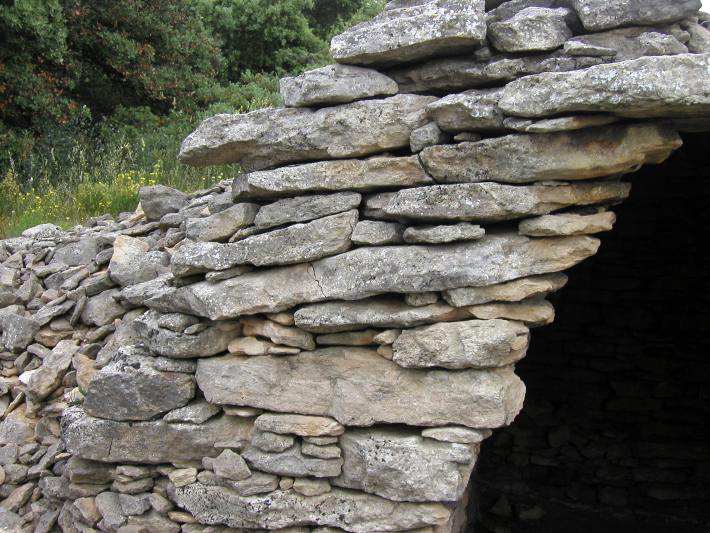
x,y
323,344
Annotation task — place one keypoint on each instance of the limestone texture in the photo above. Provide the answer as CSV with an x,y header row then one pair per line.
x,y
533,29
599,15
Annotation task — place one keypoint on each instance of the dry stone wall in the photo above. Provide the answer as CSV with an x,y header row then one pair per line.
x,y
323,344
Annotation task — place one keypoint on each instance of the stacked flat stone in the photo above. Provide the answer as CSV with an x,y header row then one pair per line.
x,y
323,344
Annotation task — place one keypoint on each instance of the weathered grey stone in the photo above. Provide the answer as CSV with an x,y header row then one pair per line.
x,y
375,270
335,84
475,110
311,487
333,317
10,521
377,233
132,389
270,137
132,262
699,42
50,312
49,376
109,507
443,234
292,462
457,434
230,465
221,225
468,344
305,208
103,309
533,29
254,346
355,512
8,277
18,332
77,253
489,202
159,200
322,452
271,442
161,341
439,27
663,86
18,497
659,44
575,47
324,176
134,505
599,15
349,338
151,521
567,224
299,243
197,412
624,44
553,125
553,156
278,334
177,322
403,466
257,483
511,291
358,387
459,73
303,426
148,442
533,312
428,135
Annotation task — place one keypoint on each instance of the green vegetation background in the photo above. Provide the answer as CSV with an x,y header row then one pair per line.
x,y
96,95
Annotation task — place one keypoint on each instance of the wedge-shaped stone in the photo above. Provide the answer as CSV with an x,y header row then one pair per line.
x,y
349,174
533,312
579,155
335,84
305,208
459,73
439,27
351,511
221,225
303,426
358,387
299,243
292,463
149,442
567,224
133,389
488,202
601,15
332,317
48,376
473,110
554,125
278,334
511,291
162,341
532,29
271,137
468,344
660,86
376,270
377,233
463,231
403,466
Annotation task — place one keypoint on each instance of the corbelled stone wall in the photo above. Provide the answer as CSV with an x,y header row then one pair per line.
x,y
323,344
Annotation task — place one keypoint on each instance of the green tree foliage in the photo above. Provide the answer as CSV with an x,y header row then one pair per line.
x,y
325,14
264,35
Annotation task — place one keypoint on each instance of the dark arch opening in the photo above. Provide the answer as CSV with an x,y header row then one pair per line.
x,y
615,432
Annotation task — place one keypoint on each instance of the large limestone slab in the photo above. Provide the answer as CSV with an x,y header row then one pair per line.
x,y
578,155
344,509
333,317
599,15
531,29
299,243
149,442
488,202
438,27
335,84
468,344
659,86
270,137
376,270
305,208
459,73
403,466
349,174
358,387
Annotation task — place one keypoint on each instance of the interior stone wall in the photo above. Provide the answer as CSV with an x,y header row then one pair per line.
x,y
616,419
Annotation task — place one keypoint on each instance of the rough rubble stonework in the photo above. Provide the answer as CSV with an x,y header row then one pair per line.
x,y
323,343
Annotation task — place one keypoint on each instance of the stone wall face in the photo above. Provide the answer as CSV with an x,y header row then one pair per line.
x,y
323,344
615,414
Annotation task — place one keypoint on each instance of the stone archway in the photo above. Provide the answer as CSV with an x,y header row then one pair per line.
x,y
615,427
